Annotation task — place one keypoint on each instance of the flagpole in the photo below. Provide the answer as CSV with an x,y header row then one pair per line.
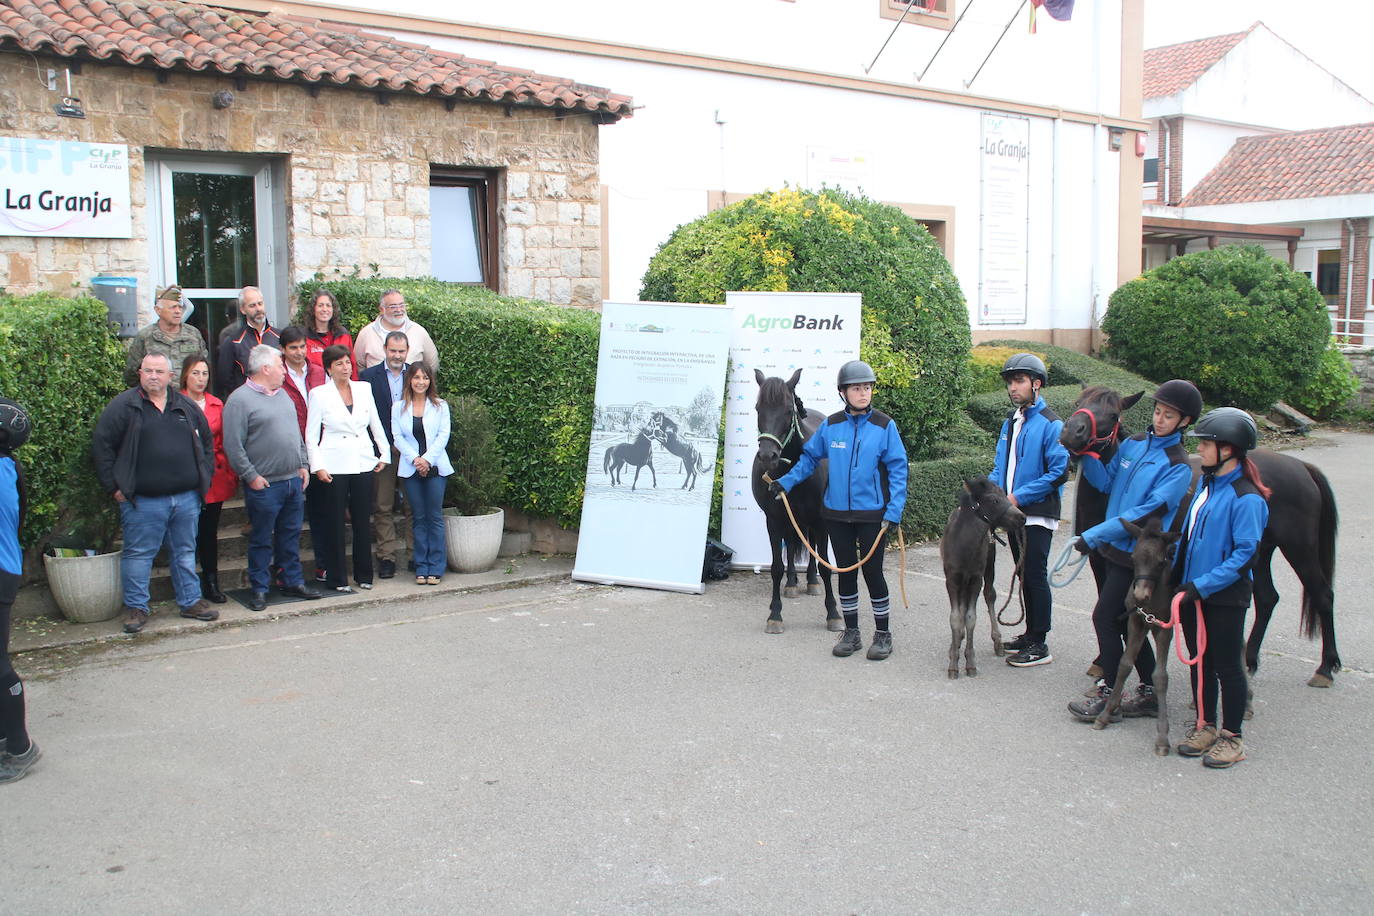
x,y
946,38
897,25
969,82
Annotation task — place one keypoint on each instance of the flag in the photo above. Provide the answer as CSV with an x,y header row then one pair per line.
x,y
1058,9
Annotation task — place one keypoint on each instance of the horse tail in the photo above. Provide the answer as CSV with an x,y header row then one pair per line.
x,y
1326,546
606,462
700,459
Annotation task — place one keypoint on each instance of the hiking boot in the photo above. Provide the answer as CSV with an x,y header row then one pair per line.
x,y
882,645
1092,691
849,643
136,619
14,766
1019,644
200,611
1228,750
1089,708
1034,654
1140,703
1197,741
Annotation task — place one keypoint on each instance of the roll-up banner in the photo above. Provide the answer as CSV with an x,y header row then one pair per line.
x,y
777,333
660,379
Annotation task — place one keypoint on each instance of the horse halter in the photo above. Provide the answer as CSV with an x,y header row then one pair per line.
x,y
977,507
793,432
1096,443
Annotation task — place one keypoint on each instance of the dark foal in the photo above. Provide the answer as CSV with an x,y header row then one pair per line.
x,y
969,560
639,453
784,426
1302,525
1150,594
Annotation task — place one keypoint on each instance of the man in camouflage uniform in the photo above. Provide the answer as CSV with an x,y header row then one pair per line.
x,y
168,336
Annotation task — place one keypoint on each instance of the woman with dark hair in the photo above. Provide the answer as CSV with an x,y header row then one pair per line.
x,y
324,328
420,424
1221,534
18,752
195,382
347,445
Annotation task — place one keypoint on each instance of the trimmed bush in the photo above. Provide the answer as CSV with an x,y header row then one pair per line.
x,y
532,364
59,359
915,330
933,490
1245,327
1330,387
985,363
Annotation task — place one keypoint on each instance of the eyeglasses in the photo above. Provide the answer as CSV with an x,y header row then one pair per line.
x,y
396,305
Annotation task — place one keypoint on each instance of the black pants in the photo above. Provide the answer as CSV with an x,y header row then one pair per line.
x,y
1035,579
351,493
207,538
12,705
1109,620
850,541
1223,664
317,514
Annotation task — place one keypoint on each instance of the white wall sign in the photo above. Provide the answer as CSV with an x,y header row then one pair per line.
x,y
849,169
660,377
64,189
777,333
1004,220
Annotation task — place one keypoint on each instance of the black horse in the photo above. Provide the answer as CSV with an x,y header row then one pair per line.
x,y
1302,524
969,561
639,453
692,463
784,426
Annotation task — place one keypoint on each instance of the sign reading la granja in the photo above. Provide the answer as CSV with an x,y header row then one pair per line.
x,y
64,189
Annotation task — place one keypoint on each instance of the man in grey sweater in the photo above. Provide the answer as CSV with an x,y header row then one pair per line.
x,y
262,441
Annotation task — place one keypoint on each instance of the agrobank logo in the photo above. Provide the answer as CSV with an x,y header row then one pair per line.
x,y
798,322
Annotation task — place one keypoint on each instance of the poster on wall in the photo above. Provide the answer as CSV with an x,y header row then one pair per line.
x,y
1004,220
777,333
64,189
660,379
848,169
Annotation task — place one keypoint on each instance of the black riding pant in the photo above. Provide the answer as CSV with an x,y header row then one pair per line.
x,y
1035,579
1109,620
850,541
1223,664
11,687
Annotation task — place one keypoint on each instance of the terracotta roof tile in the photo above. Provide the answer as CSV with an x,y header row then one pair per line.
x,y
1173,68
197,37
1326,162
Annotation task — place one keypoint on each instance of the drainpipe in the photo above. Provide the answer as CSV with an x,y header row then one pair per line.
x,y
1163,169
1349,272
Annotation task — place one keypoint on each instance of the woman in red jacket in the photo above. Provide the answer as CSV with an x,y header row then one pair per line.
x,y
323,328
195,379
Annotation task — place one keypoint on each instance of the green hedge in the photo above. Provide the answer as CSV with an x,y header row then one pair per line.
x,y
59,359
532,364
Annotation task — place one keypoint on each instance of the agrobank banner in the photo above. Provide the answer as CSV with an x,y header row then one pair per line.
x,y
660,378
64,189
777,333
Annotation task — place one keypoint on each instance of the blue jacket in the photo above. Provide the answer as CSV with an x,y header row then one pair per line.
x,y
11,517
381,395
1148,475
867,467
1218,550
1041,461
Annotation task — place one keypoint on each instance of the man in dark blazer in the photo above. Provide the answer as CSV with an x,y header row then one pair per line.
x,y
385,379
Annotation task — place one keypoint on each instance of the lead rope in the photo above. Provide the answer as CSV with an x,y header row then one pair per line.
x,y
1176,612
1011,586
1065,558
901,545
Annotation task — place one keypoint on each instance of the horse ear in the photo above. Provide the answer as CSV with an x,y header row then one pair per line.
x,y
1132,529
758,376
796,377
968,484
1128,403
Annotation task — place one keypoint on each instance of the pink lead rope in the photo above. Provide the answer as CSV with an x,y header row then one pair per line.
x,y
1176,612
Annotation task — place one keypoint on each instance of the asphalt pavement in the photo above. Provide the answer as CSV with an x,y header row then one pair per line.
x,y
568,748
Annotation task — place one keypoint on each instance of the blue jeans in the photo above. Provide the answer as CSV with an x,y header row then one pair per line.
x,y
147,521
275,513
426,497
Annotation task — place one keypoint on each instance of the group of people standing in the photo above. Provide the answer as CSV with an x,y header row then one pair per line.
x,y
317,428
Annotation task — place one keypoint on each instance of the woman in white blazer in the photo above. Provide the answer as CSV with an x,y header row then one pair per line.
x,y
347,445
420,425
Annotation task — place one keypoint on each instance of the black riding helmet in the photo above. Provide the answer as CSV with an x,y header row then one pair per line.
x,y
1230,425
1182,396
1028,363
14,425
855,372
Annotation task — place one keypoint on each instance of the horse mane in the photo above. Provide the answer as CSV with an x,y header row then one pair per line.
x,y
1096,392
774,393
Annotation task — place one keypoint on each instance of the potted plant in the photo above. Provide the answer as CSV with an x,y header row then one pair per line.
x,y
473,522
81,563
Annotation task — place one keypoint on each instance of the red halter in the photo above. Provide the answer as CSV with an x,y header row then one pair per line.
x,y
1096,443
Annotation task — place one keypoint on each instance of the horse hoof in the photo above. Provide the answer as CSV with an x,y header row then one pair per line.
x,y
1098,725
1319,680
953,674
1249,712
1095,671
773,626
835,624
1161,750
997,649
789,591
813,588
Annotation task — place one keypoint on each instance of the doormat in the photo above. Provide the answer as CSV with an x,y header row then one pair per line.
x,y
244,596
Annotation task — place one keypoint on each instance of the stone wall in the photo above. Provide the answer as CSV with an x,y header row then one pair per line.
x,y
357,175
1362,361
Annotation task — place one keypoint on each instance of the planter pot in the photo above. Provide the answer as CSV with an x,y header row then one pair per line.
x,y
473,540
87,589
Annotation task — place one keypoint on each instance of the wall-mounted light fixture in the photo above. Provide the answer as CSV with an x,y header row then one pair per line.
x,y
70,106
